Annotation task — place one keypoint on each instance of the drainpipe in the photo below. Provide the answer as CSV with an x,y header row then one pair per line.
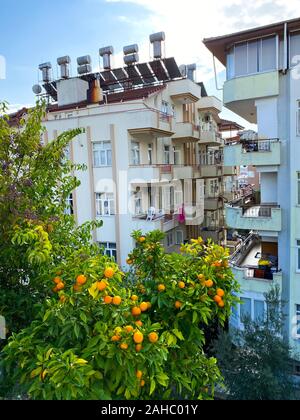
x,y
285,50
215,71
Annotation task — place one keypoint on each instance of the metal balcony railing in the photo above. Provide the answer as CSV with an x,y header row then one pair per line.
x,y
259,211
257,145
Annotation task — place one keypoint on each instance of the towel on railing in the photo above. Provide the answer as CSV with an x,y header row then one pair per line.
x,y
181,214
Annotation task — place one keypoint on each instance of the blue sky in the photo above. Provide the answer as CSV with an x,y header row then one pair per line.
x,y
34,31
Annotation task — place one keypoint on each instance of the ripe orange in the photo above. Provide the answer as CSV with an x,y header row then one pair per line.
x,y
136,311
115,338
55,289
128,328
124,346
220,292
139,323
138,348
81,280
101,285
217,299
129,261
153,337
138,337
107,300
209,283
134,298
181,285
142,383
117,300
144,306
60,286
142,239
139,374
161,287
178,304
57,280
221,304
149,305
201,277
62,298
109,272
77,288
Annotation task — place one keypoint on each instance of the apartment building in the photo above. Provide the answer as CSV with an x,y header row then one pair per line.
x,y
152,148
263,87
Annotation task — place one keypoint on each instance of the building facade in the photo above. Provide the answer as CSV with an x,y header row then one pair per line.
x,y
263,86
151,145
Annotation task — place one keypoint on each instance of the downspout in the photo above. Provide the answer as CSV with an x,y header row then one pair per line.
x,y
215,71
285,50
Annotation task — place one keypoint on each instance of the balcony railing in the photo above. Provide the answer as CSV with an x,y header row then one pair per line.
x,y
207,159
259,145
259,211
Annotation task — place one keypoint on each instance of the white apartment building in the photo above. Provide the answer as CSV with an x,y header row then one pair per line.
x,y
263,86
151,145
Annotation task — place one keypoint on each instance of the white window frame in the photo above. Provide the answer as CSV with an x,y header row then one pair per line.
x,y
297,255
167,155
69,210
135,151
138,205
165,107
180,240
102,154
291,65
177,155
253,298
298,119
105,200
109,249
170,239
150,153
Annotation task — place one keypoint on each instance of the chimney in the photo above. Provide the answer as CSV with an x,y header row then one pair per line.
x,y
157,39
64,62
46,71
106,53
95,92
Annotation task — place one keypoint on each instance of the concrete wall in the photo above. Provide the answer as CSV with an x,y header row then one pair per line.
x,y
268,182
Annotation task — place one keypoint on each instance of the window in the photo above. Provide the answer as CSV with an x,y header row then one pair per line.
x,y
135,153
298,320
150,153
102,154
298,120
167,155
105,204
259,310
170,239
251,57
69,205
176,151
68,152
165,107
294,49
109,249
179,237
298,256
137,203
245,309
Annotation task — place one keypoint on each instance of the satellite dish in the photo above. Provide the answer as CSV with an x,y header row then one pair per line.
x,y
37,89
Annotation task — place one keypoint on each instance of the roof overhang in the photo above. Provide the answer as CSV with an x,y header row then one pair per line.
x,y
152,131
218,45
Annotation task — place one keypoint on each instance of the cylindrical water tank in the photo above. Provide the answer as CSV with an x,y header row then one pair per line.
x,y
46,71
85,68
131,59
106,50
131,49
86,59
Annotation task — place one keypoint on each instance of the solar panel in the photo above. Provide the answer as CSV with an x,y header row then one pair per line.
x,y
51,90
172,68
120,74
146,73
110,80
134,75
158,70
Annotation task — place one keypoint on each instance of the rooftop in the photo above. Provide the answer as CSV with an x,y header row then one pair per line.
x,y
217,45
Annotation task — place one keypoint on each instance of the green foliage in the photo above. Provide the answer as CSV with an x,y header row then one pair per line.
x,y
256,363
72,350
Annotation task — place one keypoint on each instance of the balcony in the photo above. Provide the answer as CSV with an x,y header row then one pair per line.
x,y
152,123
263,218
184,91
240,93
210,136
149,222
186,171
186,131
194,214
247,269
210,103
213,201
216,235
262,152
229,170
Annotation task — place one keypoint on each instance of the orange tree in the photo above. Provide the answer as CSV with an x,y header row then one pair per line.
x,y
104,334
